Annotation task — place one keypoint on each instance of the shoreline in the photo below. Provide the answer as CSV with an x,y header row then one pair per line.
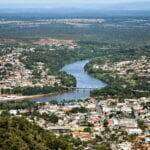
x,y
5,98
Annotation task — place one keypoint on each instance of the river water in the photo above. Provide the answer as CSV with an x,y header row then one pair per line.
x,y
85,83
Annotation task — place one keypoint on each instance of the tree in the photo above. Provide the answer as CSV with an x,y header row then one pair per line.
x,y
88,129
105,124
102,147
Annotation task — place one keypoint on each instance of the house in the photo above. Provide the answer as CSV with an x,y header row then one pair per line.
x,y
134,131
115,122
13,112
128,123
94,119
147,140
124,146
126,109
84,136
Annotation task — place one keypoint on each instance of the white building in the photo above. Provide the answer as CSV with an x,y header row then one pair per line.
x,y
125,146
132,131
13,112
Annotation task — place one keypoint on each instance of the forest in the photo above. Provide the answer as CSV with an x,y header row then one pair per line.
x,y
17,133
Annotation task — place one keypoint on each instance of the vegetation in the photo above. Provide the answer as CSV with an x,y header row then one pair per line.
x,y
78,110
88,129
34,90
51,117
117,31
19,134
67,80
102,147
17,105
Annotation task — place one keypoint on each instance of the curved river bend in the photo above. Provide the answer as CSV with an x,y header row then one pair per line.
x,y
84,81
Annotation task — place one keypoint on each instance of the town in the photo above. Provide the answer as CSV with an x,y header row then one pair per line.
x,y
123,125
14,73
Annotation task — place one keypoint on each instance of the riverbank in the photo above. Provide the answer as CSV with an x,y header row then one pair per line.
x,y
4,98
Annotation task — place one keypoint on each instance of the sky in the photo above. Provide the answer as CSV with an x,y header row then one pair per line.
x,y
102,4
68,1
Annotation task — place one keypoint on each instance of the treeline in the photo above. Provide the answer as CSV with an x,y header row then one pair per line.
x,y
119,92
51,117
17,105
78,110
34,90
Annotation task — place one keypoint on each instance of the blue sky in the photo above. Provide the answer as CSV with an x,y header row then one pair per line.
x,y
68,1
100,4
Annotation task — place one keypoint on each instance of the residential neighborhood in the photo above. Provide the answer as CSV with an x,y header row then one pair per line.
x,y
14,73
121,124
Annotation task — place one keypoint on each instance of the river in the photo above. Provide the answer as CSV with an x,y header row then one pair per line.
x,y
84,83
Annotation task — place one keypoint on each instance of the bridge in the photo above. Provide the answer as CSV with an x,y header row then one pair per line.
x,y
78,88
